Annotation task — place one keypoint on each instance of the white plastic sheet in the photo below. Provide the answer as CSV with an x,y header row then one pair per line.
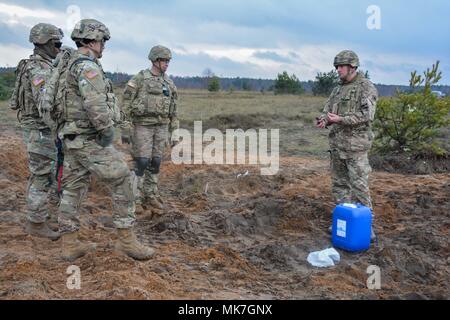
x,y
324,258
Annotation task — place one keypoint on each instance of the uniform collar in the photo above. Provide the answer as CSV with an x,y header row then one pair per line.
x,y
162,75
40,55
88,55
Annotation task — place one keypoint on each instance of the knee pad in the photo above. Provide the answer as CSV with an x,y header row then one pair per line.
x,y
155,166
141,165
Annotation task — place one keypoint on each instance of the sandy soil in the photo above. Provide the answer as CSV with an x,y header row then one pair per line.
x,y
225,237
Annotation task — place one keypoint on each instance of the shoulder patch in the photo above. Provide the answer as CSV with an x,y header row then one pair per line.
x,y
132,84
38,81
91,74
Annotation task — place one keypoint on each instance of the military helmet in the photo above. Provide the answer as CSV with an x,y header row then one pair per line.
x,y
159,52
346,57
90,29
44,32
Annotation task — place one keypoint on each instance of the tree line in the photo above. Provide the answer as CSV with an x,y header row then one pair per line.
x,y
283,84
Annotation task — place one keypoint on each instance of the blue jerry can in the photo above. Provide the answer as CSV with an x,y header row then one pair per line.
x,y
351,227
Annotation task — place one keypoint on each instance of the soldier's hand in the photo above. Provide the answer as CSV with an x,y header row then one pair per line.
x,y
321,123
105,137
334,118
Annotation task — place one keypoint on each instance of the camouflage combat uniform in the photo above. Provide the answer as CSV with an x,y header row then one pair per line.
x,y
31,77
351,140
150,102
91,107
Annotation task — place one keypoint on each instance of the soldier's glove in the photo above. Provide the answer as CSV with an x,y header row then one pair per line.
x,y
105,137
126,139
126,132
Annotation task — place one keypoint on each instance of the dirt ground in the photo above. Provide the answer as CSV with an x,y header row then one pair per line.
x,y
225,237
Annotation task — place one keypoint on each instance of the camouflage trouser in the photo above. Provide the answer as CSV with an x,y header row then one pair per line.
x,y
149,142
83,158
350,179
41,189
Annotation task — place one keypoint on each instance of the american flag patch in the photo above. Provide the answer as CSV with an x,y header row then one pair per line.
x,y
91,74
38,81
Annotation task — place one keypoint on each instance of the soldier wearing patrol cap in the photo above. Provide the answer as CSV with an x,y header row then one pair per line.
x,y
350,111
150,103
31,76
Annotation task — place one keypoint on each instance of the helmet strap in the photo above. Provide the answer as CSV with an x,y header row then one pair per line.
x,y
157,65
92,52
351,74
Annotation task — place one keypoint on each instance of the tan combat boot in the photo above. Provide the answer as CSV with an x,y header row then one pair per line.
x,y
156,205
52,222
41,230
128,244
139,209
72,248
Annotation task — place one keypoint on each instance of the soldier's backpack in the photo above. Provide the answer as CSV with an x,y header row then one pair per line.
x,y
22,98
52,104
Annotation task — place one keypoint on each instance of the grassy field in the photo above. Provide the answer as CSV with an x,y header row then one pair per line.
x,y
293,115
8,117
202,105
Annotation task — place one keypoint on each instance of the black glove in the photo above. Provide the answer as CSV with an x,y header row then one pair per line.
x,y
126,139
105,137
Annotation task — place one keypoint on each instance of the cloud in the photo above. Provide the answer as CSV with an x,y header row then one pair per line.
x,y
255,38
14,11
270,55
123,61
10,55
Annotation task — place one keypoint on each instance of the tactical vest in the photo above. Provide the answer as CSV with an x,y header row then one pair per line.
x,y
154,98
73,101
346,99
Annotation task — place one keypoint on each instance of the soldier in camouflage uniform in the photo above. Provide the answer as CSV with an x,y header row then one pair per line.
x,y
31,77
350,111
87,132
150,102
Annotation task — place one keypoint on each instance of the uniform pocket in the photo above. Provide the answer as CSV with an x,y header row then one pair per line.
x,y
113,107
154,88
344,105
76,143
158,105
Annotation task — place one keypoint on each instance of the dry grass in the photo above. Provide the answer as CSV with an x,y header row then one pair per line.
x,y
202,105
8,117
293,115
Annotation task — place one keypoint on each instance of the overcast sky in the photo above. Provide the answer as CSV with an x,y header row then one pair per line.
x,y
253,38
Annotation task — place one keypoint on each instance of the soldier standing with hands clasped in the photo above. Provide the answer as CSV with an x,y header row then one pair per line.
x,y
350,111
